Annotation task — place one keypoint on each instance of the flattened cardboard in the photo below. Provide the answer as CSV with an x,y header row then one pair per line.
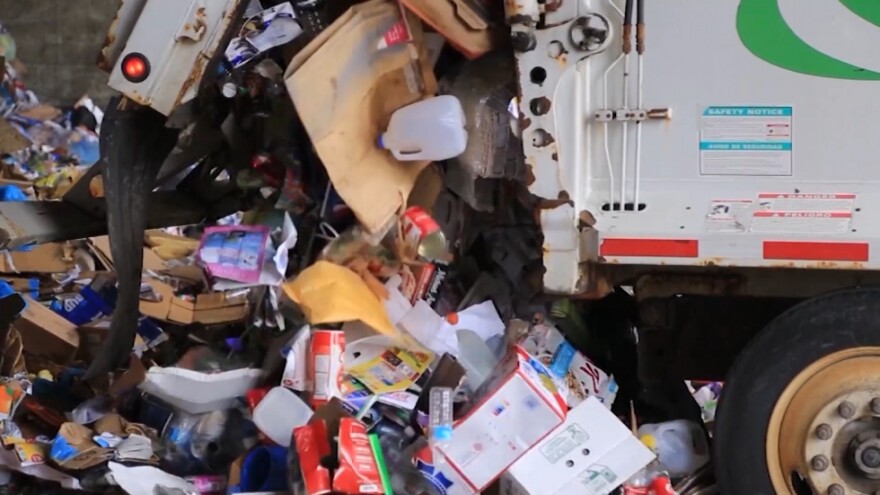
x,y
345,89
47,334
42,258
465,29
207,309
152,261
591,453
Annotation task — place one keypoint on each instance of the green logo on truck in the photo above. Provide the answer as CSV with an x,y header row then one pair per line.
x,y
764,32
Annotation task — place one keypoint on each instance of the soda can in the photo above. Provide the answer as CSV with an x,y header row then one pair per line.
x,y
422,233
325,365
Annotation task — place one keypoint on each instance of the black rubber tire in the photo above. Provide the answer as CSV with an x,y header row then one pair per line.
x,y
799,337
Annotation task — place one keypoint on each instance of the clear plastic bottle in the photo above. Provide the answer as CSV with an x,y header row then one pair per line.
x,y
681,446
432,129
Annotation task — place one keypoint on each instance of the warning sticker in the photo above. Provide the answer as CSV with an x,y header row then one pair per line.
x,y
746,141
806,202
728,215
801,222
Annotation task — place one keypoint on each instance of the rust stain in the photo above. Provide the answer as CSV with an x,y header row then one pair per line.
x,y
524,122
103,60
555,156
552,5
540,105
139,98
542,138
195,76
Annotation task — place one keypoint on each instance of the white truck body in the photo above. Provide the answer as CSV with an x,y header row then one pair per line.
x,y
178,38
767,158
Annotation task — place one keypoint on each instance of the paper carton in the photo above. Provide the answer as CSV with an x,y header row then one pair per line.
x,y
345,86
591,453
207,309
493,434
576,376
47,334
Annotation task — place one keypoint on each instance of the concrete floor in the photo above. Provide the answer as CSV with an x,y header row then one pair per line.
x,y
59,40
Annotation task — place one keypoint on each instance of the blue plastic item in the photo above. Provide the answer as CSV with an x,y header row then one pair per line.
x,y
264,470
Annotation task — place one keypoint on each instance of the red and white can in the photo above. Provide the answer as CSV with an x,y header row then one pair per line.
x,y
423,234
325,365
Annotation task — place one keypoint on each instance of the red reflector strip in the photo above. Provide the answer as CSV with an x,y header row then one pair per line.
x,y
816,251
651,248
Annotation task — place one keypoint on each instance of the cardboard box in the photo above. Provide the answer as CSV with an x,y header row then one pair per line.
x,y
592,453
47,334
493,435
207,309
345,85
464,24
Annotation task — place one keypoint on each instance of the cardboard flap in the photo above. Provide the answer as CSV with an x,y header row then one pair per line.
x,y
45,333
345,88
464,26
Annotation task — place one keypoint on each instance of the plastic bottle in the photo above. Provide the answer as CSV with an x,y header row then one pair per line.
x,y
476,357
681,446
432,129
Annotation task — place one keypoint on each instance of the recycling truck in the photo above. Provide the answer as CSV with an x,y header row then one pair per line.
x,y
709,171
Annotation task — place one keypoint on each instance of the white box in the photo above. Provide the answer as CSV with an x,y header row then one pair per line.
x,y
515,408
591,453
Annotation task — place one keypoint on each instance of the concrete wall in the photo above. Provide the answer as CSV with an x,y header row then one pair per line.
x,y
59,41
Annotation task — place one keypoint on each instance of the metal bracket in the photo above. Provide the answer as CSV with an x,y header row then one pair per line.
x,y
543,56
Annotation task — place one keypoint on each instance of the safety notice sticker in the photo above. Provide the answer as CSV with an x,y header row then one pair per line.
x,y
746,141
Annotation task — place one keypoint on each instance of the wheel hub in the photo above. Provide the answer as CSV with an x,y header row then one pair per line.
x,y
825,428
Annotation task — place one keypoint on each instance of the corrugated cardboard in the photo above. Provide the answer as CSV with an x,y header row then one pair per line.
x,y
10,139
101,245
42,258
47,334
207,309
592,453
492,435
345,89
465,29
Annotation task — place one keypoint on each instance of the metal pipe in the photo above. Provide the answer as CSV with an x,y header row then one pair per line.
x,y
627,49
638,172
605,131
640,49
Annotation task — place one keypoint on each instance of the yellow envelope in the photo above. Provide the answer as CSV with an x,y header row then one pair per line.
x,y
329,293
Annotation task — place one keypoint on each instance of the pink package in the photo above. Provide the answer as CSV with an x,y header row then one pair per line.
x,y
235,252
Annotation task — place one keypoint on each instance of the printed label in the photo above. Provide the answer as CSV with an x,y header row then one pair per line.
x,y
746,141
728,215
597,478
801,222
564,443
806,202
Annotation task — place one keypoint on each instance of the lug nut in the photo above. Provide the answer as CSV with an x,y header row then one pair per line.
x,y
846,409
875,405
824,431
836,489
819,463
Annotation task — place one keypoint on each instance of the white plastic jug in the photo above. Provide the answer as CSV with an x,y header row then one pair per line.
x,y
279,413
681,446
432,129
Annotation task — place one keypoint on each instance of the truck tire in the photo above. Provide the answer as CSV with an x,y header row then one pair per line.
x,y
800,412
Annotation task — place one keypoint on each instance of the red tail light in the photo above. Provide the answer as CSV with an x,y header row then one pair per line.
x,y
135,67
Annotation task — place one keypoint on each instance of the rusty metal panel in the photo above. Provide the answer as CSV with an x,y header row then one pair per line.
x,y
179,38
118,33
